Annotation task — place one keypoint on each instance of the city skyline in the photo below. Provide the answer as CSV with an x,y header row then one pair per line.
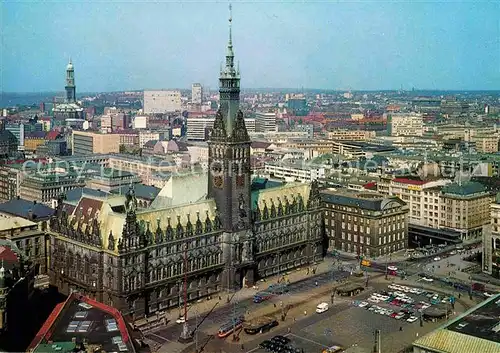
x,y
367,53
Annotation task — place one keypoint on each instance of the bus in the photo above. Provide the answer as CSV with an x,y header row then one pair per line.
x,y
260,325
231,326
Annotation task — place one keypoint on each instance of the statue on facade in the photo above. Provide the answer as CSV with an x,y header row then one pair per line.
x,y
247,251
131,201
243,212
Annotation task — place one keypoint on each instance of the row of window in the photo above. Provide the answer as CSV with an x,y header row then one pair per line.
x,y
134,281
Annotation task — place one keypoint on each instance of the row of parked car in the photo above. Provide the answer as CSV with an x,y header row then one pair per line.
x,y
279,344
401,315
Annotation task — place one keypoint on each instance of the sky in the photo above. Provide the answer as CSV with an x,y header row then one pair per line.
x,y
338,45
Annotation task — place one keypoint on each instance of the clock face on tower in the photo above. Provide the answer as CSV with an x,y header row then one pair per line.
x,y
218,182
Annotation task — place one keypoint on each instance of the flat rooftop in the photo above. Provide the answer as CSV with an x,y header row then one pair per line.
x,y
83,320
477,330
484,322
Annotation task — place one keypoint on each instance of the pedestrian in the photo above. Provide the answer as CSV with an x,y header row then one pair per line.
x,y
274,305
289,330
242,348
316,283
400,328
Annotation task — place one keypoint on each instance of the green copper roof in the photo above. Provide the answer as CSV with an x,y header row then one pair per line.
x,y
464,189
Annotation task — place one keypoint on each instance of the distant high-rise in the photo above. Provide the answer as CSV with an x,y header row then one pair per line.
x,y
162,101
265,121
196,93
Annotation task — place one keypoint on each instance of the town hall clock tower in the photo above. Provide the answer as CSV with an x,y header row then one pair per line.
x,y
230,175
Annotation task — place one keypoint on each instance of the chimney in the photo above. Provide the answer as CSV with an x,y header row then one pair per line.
x,y
30,214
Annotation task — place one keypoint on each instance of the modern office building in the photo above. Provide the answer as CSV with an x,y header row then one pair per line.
x,y
297,105
405,124
198,128
88,142
17,129
265,121
8,143
196,93
465,208
162,101
228,236
145,136
298,171
477,330
439,203
351,135
365,223
422,197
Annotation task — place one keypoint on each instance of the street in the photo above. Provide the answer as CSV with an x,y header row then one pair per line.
x,y
224,312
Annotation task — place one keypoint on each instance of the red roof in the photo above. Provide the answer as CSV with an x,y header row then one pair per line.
x,y
7,255
46,331
52,135
372,185
409,181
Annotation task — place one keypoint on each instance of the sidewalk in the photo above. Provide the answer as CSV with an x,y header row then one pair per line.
x,y
397,256
204,306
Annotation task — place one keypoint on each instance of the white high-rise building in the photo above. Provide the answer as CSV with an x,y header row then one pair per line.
x,y
162,101
405,124
265,121
197,127
196,93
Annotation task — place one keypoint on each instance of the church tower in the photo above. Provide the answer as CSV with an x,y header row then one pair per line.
x,y
229,175
70,83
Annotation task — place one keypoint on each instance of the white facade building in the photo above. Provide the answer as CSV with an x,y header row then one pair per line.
x,y
162,101
145,136
265,121
405,124
197,127
140,122
196,93
294,171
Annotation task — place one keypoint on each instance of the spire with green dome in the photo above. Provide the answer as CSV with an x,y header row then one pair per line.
x,y
70,83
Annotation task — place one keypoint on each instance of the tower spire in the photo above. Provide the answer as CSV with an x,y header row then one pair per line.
x,y
230,53
230,24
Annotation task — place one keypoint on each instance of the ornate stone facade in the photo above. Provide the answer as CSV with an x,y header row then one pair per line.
x,y
136,260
